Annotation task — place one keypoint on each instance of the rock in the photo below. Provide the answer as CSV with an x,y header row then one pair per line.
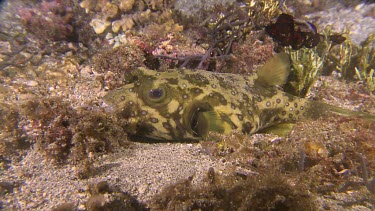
x,y
99,25
126,5
110,10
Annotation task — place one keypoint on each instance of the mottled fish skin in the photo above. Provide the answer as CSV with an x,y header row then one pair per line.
x,y
185,104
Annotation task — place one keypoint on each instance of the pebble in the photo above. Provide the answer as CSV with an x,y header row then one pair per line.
x,y
116,25
110,10
86,72
32,83
127,5
99,25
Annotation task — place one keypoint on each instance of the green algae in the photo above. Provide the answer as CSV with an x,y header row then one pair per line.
x,y
308,64
365,69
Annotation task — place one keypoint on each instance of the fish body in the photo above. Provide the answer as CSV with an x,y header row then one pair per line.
x,y
180,104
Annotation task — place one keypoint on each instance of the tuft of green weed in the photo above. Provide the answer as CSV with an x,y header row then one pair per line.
x,y
367,79
342,57
346,59
366,63
307,65
262,12
349,60
366,56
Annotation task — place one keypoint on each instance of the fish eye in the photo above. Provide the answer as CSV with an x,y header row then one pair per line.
x,y
156,96
156,93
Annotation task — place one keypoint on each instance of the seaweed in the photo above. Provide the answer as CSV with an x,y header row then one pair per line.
x,y
225,28
366,65
68,135
367,54
341,57
308,64
229,28
13,137
289,32
48,127
318,151
114,63
367,79
349,60
267,191
105,197
306,67
48,21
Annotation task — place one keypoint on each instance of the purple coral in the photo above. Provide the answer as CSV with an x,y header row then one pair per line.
x,y
48,20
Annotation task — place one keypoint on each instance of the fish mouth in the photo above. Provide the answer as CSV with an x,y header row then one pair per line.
x,y
194,124
197,124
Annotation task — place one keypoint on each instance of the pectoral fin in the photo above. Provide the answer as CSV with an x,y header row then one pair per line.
x,y
281,129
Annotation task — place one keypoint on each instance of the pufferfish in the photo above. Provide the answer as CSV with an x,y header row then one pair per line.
x,y
182,104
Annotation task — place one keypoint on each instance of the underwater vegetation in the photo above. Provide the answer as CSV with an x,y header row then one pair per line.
x,y
62,133
307,64
367,78
366,66
105,197
224,28
276,174
13,138
52,20
268,191
314,54
351,61
115,63
49,23
231,28
288,32
307,48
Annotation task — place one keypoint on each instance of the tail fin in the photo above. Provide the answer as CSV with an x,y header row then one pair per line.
x,y
320,109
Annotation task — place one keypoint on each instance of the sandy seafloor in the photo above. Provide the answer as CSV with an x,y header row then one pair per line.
x,y
145,168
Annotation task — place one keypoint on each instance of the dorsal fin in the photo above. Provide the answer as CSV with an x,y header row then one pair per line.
x,y
275,71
